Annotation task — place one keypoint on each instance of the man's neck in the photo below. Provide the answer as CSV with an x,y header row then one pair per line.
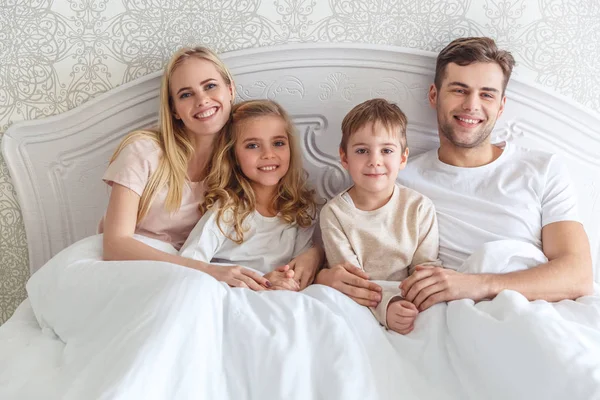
x,y
468,157
369,201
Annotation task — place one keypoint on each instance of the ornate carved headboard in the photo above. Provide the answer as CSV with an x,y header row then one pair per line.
x,y
56,163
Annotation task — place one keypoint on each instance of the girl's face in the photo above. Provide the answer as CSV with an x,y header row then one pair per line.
x,y
201,98
262,150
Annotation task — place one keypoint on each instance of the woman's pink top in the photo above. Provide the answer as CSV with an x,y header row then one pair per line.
x,y
132,168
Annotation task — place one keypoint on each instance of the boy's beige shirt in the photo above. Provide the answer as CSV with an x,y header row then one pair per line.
x,y
387,243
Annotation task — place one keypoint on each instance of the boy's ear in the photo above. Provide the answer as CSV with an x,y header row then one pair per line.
x,y
404,158
343,158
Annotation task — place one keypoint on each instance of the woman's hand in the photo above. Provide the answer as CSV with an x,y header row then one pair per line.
x,y
236,276
283,279
306,265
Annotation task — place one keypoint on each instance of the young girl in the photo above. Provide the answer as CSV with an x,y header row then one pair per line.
x,y
258,211
157,176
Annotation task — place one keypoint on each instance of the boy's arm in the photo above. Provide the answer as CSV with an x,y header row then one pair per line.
x,y
390,292
337,247
428,244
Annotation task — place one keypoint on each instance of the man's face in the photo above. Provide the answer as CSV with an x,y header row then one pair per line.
x,y
468,103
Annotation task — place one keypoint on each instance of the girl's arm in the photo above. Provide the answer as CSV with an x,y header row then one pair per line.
x,y
119,243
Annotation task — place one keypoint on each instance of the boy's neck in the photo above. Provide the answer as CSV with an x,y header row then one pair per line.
x,y
369,201
264,199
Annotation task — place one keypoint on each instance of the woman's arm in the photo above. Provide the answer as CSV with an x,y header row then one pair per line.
x,y
119,243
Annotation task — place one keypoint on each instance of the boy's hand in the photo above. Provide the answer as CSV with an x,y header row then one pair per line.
x,y
401,315
282,278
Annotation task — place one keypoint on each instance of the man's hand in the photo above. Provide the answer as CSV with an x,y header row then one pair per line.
x,y
431,285
353,282
400,316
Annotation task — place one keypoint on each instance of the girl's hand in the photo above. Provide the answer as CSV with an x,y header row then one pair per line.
x,y
283,279
236,276
306,265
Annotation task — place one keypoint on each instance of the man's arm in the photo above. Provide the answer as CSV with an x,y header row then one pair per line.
x,y
567,274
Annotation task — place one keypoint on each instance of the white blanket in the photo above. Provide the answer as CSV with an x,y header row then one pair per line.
x,y
152,330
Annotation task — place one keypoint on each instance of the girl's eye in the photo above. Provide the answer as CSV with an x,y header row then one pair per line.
x,y
361,151
252,146
279,143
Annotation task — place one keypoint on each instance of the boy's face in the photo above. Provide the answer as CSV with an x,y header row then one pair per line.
x,y
373,158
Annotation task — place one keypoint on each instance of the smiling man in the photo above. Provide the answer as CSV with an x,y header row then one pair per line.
x,y
485,192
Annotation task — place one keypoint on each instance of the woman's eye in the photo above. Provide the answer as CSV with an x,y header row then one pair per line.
x,y
210,86
185,95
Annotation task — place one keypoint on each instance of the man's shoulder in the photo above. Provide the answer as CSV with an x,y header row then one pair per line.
x,y
530,159
408,196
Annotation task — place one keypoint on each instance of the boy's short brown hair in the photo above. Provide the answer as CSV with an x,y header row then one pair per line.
x,y
374,111
465,51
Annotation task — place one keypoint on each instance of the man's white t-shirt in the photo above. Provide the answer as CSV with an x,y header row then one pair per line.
x,y
268,242
511,198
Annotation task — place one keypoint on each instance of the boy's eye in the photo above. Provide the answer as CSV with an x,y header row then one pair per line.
x,y
387,151
487,95
361,151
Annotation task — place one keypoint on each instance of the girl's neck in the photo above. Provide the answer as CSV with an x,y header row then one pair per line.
x,y
369,201
203,147
264,199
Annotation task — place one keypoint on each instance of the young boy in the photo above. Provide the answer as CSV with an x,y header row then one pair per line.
x,y
378,225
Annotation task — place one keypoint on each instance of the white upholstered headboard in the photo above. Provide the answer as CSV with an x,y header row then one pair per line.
x,y
56,163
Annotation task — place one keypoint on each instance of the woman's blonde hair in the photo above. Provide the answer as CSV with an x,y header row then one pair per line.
x,y
230,190
170,136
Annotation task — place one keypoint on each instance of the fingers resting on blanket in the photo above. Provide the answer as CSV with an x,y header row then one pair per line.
x,y
401,315
353,282
430,285
236,276
282,278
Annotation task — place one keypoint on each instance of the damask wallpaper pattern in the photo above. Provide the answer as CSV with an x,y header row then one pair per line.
x,y
55,55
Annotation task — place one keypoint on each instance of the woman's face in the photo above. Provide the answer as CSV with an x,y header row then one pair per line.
x,y
201,98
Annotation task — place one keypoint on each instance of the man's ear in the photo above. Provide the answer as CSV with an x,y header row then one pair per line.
x,y
502,104
344,158
432,96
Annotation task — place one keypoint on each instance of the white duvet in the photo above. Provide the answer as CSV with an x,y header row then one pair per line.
x,y
151,330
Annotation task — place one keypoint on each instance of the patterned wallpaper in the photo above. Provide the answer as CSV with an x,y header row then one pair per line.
x,y
57,54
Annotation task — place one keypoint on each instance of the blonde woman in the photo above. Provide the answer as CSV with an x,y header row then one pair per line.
x,y
258,210
157,176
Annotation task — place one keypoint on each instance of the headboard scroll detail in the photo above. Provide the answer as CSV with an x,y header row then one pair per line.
x,y
56,163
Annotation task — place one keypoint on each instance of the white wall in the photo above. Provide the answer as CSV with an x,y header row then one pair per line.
x,y
55,55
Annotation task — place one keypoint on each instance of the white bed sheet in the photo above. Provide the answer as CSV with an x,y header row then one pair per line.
x,y
30,358
152,330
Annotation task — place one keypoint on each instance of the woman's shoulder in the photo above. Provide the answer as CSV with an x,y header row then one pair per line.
x,y
142,143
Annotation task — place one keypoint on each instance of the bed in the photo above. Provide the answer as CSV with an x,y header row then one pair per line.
x,y
460,350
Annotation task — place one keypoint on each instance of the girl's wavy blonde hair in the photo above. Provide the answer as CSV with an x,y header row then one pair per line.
x,y
170,136
230,190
